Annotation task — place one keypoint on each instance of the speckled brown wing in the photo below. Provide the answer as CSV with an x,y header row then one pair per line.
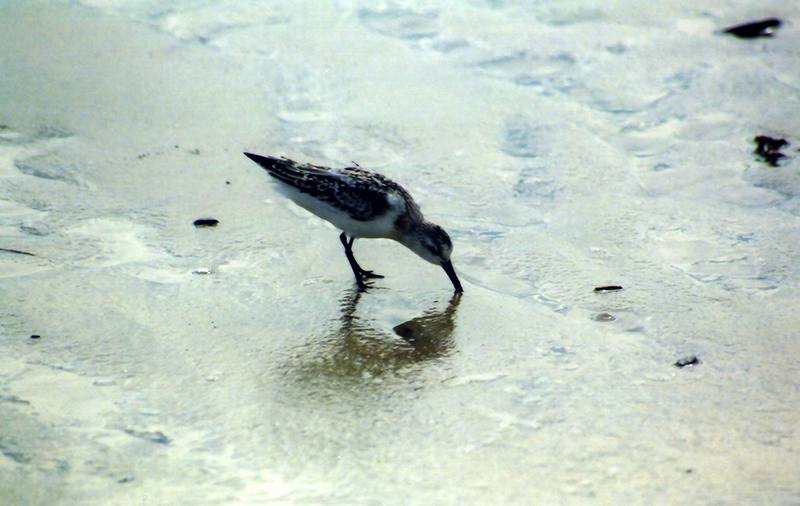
x,y
359,193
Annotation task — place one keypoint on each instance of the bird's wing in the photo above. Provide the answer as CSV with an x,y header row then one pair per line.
x,y
360,193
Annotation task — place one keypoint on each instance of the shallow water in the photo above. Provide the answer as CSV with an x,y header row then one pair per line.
x,y
563,146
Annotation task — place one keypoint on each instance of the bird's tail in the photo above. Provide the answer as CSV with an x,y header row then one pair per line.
x,y
273,165
288,171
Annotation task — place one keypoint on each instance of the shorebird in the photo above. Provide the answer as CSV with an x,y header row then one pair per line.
x,y
362,204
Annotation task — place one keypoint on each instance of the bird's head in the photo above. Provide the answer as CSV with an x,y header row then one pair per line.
x,y
432,243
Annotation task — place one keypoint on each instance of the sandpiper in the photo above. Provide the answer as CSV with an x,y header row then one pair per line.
x,y
362,204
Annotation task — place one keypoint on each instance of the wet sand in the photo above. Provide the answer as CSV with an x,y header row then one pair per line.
x,y
237,364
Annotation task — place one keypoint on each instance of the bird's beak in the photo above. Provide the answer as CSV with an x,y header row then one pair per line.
x,y
451,273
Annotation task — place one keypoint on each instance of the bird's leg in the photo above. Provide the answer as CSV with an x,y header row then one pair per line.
x,y
358,272
367,274
348,252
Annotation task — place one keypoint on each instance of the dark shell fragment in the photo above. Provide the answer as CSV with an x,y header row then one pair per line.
x,y
206,222
689,361
609,288
763,28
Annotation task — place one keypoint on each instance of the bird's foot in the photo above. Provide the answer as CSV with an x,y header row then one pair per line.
x,y
370,274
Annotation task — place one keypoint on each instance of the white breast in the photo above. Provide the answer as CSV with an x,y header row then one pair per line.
x,y
381,227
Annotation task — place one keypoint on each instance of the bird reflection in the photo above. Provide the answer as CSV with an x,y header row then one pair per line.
x,y
431,335
358,349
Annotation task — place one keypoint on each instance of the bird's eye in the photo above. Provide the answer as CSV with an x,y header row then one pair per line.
x,y
433,248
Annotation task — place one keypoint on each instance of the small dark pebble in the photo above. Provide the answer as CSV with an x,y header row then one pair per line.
x,y
206,222
35,336
227,182
689,361
125,479
768,148
609,288
763,28
18,252
689,471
